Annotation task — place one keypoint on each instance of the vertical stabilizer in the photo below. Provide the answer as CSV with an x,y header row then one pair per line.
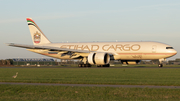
x,y
37,35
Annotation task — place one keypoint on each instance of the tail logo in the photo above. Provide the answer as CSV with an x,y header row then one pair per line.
x,y
37,37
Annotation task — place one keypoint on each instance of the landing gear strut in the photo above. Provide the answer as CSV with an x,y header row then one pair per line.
x,y
84,63
161,62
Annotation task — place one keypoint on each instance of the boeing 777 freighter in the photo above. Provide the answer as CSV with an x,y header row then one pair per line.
x,y
97,53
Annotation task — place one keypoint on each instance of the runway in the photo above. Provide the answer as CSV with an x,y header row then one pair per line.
x,y
93,85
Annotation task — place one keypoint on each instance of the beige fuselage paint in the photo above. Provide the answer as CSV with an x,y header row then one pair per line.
x,y
120,50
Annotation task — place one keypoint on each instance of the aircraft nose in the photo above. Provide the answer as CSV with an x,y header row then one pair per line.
x,y
175,52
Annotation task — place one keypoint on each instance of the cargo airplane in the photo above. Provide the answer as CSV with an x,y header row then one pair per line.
x,y
97,53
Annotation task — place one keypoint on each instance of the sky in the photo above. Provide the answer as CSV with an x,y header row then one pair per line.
x,y
88,21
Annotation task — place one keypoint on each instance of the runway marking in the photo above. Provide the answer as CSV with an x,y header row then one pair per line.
x,y
92,85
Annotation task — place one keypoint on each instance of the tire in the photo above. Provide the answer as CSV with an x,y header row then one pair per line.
x,y
79,65
160,65
83,65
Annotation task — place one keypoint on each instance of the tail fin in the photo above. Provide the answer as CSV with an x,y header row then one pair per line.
x,y
37,35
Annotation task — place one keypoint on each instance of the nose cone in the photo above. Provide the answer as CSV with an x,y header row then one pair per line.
x,y
170,51
175,52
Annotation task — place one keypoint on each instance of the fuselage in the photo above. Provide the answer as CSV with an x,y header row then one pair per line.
x,y
96,53
119,50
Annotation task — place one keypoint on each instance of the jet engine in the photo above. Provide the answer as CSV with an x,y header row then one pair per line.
x,y
98,58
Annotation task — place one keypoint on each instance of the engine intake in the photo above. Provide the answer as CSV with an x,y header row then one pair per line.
x,y
98,58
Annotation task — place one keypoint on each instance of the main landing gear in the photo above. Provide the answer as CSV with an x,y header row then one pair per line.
x,y
84,63
107,65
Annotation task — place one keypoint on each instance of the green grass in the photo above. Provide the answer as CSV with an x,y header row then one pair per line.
x,y
124,76
66,93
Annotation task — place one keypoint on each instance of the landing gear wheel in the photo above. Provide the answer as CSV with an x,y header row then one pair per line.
x,y
160,65
83,65
79,65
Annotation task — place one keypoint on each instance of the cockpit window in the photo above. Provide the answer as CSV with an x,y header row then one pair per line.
x,y
169,47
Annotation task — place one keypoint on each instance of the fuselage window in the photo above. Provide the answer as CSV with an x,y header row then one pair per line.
x,y
169,47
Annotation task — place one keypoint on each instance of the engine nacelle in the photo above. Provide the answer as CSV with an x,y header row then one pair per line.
x,y
98,58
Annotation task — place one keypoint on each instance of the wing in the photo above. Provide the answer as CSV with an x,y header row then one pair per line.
x,y
47,47
63,51
71,53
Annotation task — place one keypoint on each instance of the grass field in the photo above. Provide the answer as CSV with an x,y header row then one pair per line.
x,y
66,93
124,76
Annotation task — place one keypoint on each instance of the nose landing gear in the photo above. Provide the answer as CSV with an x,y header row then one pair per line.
x,y
160,65
161,62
